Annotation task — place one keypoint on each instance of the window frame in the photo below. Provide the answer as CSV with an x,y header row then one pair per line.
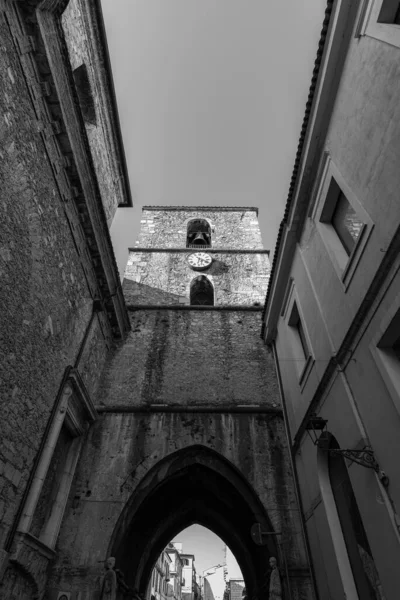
x,y
370,25
75,412
324,206
381,348
292,314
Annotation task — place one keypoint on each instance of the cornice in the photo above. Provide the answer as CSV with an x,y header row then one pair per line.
x,y
209,250
203,208
189,307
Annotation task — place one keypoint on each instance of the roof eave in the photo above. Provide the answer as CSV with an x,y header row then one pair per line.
x,y
342,21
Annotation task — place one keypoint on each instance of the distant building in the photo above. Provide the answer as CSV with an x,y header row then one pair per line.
x,y
158,587
234,589
224,582
175,572
215,582
188,572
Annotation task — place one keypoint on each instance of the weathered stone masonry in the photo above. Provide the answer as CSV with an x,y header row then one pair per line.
x,y
57,269
191,358
188,386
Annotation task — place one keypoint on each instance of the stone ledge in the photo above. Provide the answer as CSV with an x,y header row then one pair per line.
x,y
203,208
206,408
208,250
233,307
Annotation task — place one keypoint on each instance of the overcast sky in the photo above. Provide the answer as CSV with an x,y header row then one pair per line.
x,y
211,96
207,547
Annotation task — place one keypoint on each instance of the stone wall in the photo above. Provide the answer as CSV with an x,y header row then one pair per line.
x,y
45,304
165,278
230,228
45,300
121,450
183,357
81,51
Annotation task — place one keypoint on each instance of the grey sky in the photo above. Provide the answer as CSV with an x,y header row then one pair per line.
x,y
207,547
211,95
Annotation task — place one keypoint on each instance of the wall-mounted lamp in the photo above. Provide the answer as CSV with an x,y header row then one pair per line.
x,y
316,428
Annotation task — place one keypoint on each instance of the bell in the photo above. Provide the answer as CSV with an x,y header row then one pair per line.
x,y
200,239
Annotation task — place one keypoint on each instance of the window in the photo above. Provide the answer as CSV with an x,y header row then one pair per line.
x,y
198,234
299,343
346,223
390,12
201,294
48,493
380,19
85,96
386,352
343,223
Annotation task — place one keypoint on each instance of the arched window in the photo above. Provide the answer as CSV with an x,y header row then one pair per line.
x,y
337,487
198,234
201,292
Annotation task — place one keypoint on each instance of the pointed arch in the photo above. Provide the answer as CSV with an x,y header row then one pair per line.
x,y
193,485
201,291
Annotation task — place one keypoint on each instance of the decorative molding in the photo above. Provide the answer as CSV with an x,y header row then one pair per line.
x,y
203,208
206,408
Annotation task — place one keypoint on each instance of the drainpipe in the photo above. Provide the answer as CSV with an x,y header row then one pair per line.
x,y
294,471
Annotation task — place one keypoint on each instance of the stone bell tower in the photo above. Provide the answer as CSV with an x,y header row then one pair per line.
x,y
190,426
198,256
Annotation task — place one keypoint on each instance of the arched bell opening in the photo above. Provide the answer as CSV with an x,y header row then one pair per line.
x,y
195,485
201,291
198,234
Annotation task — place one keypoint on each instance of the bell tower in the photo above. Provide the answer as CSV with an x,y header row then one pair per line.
x,y
198,256
191,427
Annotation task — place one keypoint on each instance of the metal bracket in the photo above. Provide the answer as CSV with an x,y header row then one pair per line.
x,y
364,457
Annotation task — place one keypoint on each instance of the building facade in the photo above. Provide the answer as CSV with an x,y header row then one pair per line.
x,y
63,177
188,576
332,312
175,571
159,588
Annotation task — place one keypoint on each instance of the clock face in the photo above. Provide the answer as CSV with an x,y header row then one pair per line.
x,y
199,260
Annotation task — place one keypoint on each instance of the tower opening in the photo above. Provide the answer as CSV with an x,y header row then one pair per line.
x,y
201,292
198,234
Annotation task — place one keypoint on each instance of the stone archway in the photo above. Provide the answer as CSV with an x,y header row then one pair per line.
x,y
194,485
